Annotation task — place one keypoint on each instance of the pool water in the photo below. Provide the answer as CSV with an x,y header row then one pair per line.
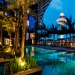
x,y
52,62
2,71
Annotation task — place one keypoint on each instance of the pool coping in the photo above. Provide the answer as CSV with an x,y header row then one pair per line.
x,y
72,50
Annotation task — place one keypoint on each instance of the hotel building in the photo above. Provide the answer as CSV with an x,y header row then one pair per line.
x,y
42,6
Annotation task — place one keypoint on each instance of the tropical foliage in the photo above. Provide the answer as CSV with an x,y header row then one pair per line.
x,y
27,63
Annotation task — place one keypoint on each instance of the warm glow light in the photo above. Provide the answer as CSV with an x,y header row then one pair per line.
x,y
8,49
0,43
28,10
32,35
32,41
22,63
1,12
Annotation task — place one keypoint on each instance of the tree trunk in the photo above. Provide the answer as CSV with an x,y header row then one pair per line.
x,y
23,29
17,42
16,39
0,34
10,39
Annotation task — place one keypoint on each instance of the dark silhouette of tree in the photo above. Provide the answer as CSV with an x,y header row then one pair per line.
x,y
63,31
44,32
53,30
70,25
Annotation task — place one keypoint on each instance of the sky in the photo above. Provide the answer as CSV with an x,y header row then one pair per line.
x,y
56,7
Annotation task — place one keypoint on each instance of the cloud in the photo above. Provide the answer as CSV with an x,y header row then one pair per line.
x,y
56,4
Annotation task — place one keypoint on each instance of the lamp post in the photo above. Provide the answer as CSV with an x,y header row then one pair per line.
x,y
61,21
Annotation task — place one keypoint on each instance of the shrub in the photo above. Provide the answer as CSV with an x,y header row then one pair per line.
x,y
8,55
31,63
17,65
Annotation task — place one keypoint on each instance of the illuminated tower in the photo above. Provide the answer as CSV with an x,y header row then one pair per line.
x,y
61,20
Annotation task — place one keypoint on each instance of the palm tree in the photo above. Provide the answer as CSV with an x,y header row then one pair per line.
x,y
63,31
43,30
53,30
70,24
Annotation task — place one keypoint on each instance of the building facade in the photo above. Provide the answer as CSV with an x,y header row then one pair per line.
x,y
42,6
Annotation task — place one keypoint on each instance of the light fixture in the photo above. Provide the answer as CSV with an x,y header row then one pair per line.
x,y
1,12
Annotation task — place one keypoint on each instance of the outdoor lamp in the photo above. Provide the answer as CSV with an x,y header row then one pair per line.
x,y
1,12
28,11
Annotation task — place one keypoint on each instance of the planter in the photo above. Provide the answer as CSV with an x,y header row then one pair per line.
x,y
33,71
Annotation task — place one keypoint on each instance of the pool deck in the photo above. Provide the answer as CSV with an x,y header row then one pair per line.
x,y
72,50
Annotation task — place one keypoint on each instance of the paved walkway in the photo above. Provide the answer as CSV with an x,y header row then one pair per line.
x,y
57,48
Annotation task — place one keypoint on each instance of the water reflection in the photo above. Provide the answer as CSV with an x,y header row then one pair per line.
x,y
52,61
27,51
32,51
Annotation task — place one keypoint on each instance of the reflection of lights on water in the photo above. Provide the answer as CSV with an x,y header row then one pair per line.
x,y
32,48
26,50
62,59
62,52
72,53
32,51
53,50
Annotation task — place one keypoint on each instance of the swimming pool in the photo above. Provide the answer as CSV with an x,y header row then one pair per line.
x,y
52,62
